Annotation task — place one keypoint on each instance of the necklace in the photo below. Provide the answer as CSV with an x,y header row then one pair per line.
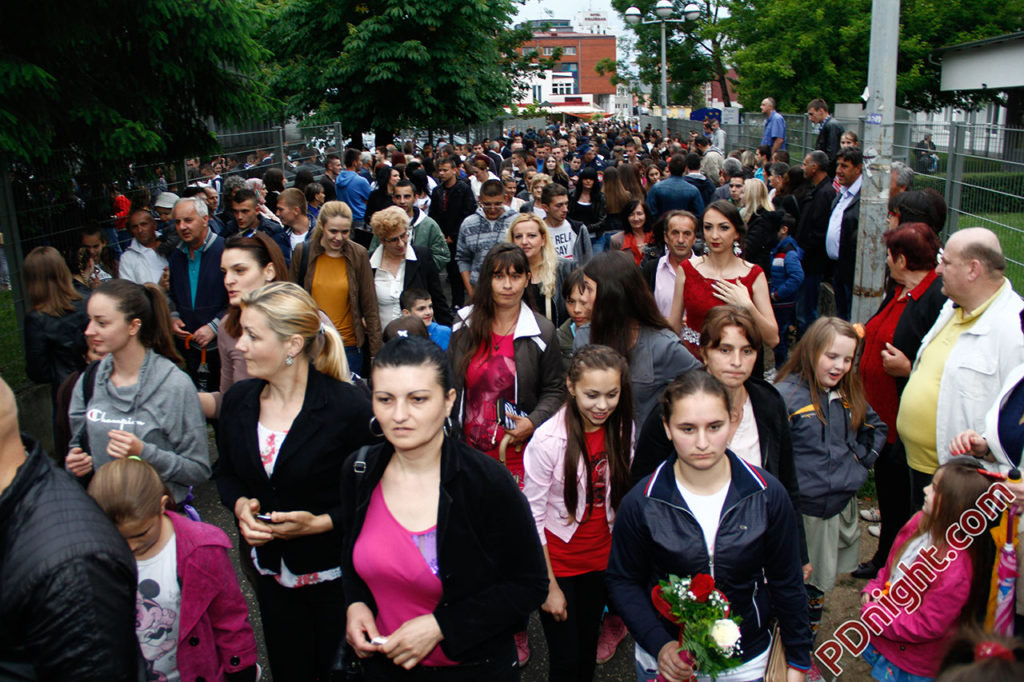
x,y
494,341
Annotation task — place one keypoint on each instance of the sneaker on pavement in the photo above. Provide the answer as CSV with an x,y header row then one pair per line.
x,y
613,631
870,515
522,648
874,531
865,571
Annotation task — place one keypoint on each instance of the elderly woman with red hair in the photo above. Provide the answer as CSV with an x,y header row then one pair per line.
x,y
891,341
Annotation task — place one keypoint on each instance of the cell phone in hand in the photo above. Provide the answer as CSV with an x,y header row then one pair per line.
x,y
265,518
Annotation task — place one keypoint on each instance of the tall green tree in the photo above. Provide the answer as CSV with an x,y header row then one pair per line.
x,y
695,50
391,64
796,50
104,81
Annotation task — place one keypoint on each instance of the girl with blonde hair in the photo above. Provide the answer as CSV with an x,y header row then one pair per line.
x,y
529,232
763,223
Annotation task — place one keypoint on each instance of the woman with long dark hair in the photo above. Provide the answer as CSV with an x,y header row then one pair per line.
x,y
616,198
137,401
636,238
587,206
627,319
577,472
719,277
386,178
506,354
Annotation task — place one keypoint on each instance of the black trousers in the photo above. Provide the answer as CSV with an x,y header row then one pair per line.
x,y
303,626
504,668
892,482
918,482
455,280
193,358
572,644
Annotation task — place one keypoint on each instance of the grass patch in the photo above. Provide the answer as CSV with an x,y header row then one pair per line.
x,y
1010,229
12,352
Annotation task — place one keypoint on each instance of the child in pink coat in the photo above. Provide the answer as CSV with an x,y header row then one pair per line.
x,y
923,570
191,618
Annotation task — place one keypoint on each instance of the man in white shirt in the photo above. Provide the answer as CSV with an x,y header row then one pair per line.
x,y
680,235
570,238
141,263
291,209
841,238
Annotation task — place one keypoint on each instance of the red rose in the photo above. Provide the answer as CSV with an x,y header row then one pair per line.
x,y
702,586
663,607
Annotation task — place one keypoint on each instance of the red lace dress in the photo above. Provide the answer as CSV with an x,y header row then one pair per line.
x,y
699,298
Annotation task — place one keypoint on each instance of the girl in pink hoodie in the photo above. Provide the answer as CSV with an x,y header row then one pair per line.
x,y
191,618
927,588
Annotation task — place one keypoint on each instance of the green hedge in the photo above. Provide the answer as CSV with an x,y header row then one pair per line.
x,y
979,199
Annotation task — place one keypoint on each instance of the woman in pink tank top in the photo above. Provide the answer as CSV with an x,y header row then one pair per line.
x,y
442,562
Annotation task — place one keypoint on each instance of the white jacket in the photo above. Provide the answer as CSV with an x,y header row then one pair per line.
x,y
980,361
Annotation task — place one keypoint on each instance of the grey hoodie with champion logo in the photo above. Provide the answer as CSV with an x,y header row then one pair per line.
x,y
162,409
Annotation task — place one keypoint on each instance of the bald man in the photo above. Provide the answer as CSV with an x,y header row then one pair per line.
x,y
67,577
964,359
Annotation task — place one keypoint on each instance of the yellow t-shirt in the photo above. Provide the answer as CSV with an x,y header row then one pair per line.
x,y
916,421
330,291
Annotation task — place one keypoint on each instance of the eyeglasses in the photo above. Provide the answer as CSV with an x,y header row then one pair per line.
x,y
404,237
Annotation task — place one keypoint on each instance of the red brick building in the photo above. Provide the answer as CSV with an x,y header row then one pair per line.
x,y
580,54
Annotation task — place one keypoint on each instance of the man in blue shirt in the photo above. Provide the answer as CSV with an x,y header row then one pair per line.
x,y
774,126
354,190
674,192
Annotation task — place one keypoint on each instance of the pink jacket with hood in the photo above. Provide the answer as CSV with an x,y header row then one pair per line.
x,y
215,639
916,642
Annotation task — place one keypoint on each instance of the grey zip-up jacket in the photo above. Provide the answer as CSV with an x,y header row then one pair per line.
x,y
476,237
162,409
832,460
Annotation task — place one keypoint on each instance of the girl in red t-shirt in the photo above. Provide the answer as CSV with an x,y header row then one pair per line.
x,y
588,444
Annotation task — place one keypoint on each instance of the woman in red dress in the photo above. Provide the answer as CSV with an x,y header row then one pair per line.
x,y
718,277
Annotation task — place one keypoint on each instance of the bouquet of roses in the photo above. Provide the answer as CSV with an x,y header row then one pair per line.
x,y
709,638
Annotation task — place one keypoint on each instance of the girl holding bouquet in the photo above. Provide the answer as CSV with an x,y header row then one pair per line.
x,y
709,512
577,472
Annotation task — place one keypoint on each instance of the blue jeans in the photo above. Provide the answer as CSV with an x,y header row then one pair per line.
x,y
354,355
807,302
784,317
601,243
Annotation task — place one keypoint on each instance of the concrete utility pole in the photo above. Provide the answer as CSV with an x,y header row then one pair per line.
x,y
879,129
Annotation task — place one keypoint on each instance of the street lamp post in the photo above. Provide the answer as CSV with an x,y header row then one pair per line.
x,y
663,10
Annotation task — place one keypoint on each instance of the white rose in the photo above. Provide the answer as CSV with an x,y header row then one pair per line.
x,y
726,633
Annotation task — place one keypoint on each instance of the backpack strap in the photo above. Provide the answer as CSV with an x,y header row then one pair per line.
x,y
359,466
88,387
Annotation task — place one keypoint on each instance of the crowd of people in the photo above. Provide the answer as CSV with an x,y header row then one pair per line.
x,y
450,388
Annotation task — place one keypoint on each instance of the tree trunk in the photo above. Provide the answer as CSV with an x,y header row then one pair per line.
x,y
720,72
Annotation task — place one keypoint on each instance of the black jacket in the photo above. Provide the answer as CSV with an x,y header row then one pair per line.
x,y
67,582
762,236
917,319
492,568
333,422
813,225
703,185
450,214
653,447
828,142
55,346
422,274
756,563
847,239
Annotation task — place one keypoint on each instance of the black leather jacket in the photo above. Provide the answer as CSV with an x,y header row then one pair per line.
x,y
55,346
67,582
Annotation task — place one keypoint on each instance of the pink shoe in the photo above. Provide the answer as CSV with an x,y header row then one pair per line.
x,y
613,631
522,648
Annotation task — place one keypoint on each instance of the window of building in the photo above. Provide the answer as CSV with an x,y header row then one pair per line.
x,y
548,51
564,88
569,51
529,51
537,93
571,66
